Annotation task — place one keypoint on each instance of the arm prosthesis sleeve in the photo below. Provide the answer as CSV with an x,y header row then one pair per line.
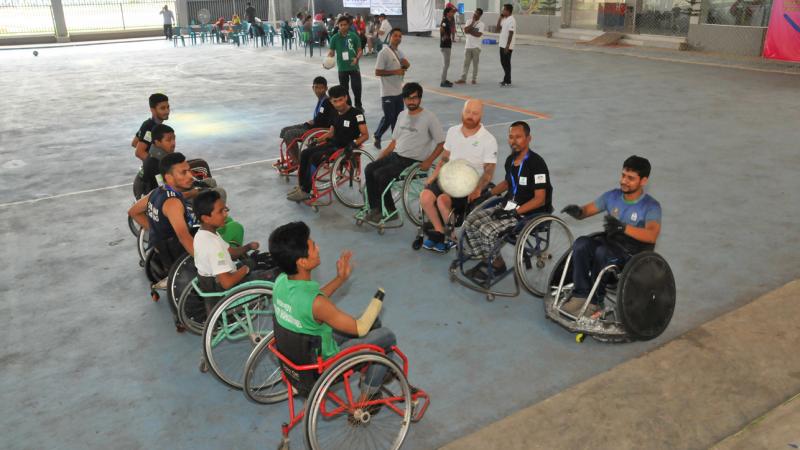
x,y
364,323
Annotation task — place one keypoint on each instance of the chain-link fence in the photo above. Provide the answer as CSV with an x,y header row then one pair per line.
x,y
226,9
26,17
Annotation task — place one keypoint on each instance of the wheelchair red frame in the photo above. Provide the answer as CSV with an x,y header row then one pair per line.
x,y
349,405
322,180
287,165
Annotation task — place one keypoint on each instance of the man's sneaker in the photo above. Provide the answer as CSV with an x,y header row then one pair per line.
x,y
461,81
446,84
450,244
161,285
428,244
374,215
573,306
298,196
441,247
294,189
504,84
393,216
377,143
474,81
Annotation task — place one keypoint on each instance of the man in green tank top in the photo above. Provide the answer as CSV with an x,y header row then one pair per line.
x,y
302,306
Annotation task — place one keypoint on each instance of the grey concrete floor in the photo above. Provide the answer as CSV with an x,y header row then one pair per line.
x,y
91,362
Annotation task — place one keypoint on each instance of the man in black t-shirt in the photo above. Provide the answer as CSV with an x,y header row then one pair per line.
x,y
163,144
159,112
446,43
324,115
527,191
348,130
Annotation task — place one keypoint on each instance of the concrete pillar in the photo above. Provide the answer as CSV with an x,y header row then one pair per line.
x,y
62,35
182,13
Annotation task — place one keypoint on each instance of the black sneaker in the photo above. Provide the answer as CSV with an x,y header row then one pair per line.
x,y
446,84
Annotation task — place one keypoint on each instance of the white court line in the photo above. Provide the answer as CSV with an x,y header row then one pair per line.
x,y
106,188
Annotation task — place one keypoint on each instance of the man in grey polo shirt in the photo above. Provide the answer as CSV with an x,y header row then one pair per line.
x,y
391,68
418,136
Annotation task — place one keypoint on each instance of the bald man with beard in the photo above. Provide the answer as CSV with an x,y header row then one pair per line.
x,y
473,143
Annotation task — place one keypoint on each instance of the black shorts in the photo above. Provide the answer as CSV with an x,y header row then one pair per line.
x,y
459,204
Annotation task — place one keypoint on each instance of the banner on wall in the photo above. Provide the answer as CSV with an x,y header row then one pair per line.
x,y
356,3
420,15
388,7
783,32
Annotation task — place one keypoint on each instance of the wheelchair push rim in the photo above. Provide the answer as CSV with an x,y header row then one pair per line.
x,y
335,415
348,178
412,188
237,324
539,245
180,276
263,382
192,310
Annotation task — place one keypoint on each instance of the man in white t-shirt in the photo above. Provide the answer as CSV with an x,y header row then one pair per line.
x,y
472,49
169,19
469,141
508,27
213,257
385,29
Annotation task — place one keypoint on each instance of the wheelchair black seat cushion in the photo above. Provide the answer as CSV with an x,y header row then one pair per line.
x,y
301,349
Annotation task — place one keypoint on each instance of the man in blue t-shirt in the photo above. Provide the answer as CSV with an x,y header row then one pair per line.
x,y
632,225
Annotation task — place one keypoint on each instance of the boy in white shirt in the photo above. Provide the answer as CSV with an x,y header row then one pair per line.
x,y
472,48
213,257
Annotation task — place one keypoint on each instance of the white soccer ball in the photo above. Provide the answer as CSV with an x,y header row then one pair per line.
x,y
329,62
457,178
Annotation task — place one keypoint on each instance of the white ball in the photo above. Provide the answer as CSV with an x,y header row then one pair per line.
x,y
329,62
457,178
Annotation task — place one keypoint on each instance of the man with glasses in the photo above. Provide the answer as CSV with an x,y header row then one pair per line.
x,y
417,137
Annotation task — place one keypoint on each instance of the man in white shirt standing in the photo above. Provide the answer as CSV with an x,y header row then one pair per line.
x,y
385,29
472,48
508,26
169,19
390,68
469,141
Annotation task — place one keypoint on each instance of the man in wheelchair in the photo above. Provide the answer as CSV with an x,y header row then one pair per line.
x,y
632,224
324,115
214,257
302,306
527,191
469,141
417,132
165,213
349,130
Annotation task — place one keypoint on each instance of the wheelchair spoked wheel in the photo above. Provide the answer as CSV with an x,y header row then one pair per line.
x,y
336,420
412,188
237,324
539,246
347,176
142,243
192,310
180,275
263,382
133,226
646,295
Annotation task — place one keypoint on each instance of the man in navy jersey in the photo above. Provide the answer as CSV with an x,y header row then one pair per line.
x,y
632,225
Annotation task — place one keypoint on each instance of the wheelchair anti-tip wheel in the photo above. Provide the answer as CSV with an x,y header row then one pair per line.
x,y
335,418
646,295
237,324
542,241
263,382
348,177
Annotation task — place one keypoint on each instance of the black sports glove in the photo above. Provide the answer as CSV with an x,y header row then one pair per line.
x,y
249,261
613,226
501,214
573,210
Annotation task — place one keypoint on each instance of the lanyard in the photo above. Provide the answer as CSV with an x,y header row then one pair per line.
x,y
519,173
316,108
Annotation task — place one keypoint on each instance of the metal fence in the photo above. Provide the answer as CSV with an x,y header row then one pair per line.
x,y
754,13
26,17
226,8
100,15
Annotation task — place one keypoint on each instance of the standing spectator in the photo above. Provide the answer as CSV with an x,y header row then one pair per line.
x,y
472,48
346,45
372,34
446,43
169,19
250,16
385,29
391,67
507,26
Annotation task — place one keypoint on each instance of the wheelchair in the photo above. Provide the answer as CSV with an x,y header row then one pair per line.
x,y
239,322
287,365
341,174
532,243
286,165
638,303
405,189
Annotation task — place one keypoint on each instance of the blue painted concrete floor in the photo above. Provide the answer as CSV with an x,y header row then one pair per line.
x,y
89,361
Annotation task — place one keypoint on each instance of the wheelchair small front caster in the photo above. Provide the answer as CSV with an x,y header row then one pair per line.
x,y
580,337
489,297
284,445
141,263
381,230
203,366
180,328
315,208
154,295
417,244
286,178
359,222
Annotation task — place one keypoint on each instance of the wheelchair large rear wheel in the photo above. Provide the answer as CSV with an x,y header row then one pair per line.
x,y
349,179
181,275
192,310
262,375
539,245
237,324
412,188
646,295
337,419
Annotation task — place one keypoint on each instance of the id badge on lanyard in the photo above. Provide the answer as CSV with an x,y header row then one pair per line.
x,y
511,204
